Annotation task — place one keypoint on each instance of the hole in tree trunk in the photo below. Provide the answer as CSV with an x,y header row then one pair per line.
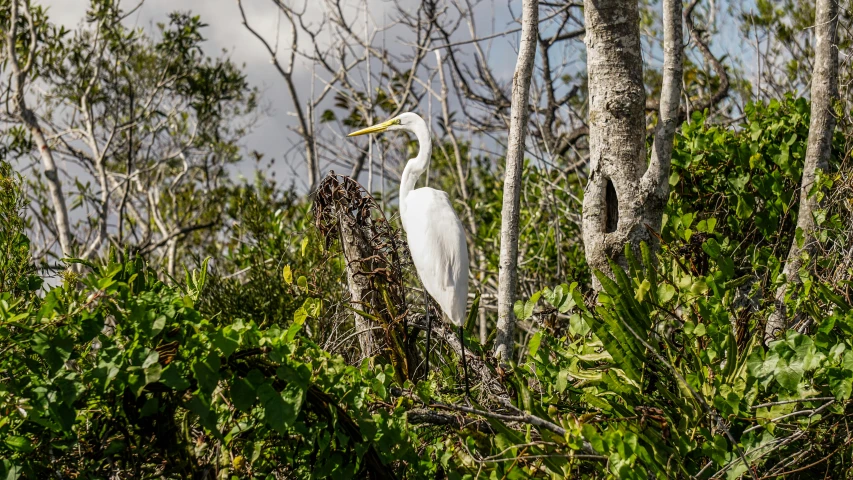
x,y
611,208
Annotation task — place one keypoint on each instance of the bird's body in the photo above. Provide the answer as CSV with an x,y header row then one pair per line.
x,y
435,235
437,242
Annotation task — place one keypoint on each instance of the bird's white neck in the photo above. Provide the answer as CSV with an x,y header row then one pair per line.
x,y
418,165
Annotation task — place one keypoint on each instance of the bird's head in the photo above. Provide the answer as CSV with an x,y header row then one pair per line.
x,y
405,121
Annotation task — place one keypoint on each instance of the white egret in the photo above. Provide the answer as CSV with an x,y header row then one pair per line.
x,y
434,233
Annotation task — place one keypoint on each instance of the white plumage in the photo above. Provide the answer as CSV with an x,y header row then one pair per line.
x,y
439,251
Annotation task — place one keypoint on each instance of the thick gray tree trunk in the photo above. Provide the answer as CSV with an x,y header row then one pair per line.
x,y
823,93
508,274
19,79
625,197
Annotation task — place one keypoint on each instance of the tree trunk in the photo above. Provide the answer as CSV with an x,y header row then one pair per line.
x,y
356,249
624,198
508,275
824,91
51,173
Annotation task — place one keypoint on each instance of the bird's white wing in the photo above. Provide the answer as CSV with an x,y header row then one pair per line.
x,y
437,242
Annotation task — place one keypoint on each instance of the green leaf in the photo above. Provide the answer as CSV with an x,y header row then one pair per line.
x,y
530,305
227,340
158,325
243,395
276,412
699,287
152,405
567,302
799,237
577,325
424,390
788,375
533,346
207,373
562,380
744,210
666,292
518,310
287,275
19,444
173,379
299,316
55,350
712,248
642,290
840,383
313,307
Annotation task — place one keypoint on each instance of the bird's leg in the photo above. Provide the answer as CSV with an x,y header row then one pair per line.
x,y
464,362
429,331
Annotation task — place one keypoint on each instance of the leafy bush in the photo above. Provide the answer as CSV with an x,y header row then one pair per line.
x,y
123,377
741,187
651,383
17,274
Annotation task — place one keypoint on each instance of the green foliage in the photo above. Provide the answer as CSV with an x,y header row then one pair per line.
x,y
279,255
660,388
126,373
664,377
17,274
741,186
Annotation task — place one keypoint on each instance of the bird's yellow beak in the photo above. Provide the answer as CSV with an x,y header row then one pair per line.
x,y
379,127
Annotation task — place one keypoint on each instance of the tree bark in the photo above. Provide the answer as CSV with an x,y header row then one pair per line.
x,y
824,91
356,251
51,173
624,198
508,274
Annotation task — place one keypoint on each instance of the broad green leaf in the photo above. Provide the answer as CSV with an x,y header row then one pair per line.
x,y
744,209
171,377
207,372
158,325
19,443
227,340
666,292
562,380
518,310
533,346
299,316
243,394
840,383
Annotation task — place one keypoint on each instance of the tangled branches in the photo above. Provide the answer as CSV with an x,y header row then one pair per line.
x,y
343,209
